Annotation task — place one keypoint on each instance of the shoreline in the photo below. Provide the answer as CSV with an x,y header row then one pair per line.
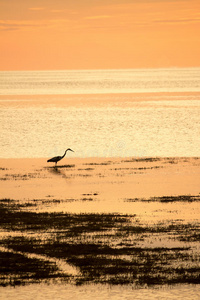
x,y
99,184
120,221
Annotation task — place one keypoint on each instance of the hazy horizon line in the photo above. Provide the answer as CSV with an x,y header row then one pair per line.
x,y
99,69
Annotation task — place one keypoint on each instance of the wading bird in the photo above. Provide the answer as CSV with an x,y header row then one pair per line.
x,y
57,158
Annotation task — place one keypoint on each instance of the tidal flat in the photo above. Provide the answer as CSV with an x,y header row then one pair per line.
x,y
119,222
102,248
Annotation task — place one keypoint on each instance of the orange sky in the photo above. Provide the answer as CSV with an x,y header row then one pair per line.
x,y
99,34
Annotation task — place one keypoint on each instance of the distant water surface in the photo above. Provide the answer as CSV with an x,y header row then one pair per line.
x,y
99,81
103,113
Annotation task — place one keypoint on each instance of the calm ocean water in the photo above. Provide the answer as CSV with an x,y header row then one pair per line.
x,y
154,112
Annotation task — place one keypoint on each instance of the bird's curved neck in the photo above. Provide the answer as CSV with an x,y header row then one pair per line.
x,y
64,153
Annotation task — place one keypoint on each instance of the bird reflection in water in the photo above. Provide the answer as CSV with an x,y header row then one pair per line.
x,y
61,170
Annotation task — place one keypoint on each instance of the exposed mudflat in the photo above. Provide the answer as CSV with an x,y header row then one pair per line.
x,y
120,222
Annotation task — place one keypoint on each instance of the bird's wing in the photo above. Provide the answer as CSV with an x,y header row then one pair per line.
x,y
53,159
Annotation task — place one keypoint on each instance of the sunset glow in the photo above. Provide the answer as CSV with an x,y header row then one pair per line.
x,y
106,34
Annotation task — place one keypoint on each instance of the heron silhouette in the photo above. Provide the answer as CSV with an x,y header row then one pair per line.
x,y
57,158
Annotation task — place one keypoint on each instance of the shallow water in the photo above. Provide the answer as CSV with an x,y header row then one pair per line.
x,y
146,113
52,291
140,129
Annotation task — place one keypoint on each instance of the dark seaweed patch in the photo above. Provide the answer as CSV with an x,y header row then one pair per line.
x,y
22,176
86,169
106,163
91,194
16,269
166,199
182,198
145,159
61,167
105,248
13,218
105,264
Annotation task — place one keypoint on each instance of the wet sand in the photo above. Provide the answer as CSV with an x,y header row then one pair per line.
x,y
117,221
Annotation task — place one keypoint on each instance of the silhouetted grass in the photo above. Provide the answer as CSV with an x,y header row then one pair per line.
x,y
145,159
104,247
167,199
105,264
61,166
15,219
17,269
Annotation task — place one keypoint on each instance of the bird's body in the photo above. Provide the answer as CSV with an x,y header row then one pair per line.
x,y
57,158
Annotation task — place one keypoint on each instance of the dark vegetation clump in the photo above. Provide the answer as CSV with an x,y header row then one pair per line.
x,y
17,269
104,248
166,199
